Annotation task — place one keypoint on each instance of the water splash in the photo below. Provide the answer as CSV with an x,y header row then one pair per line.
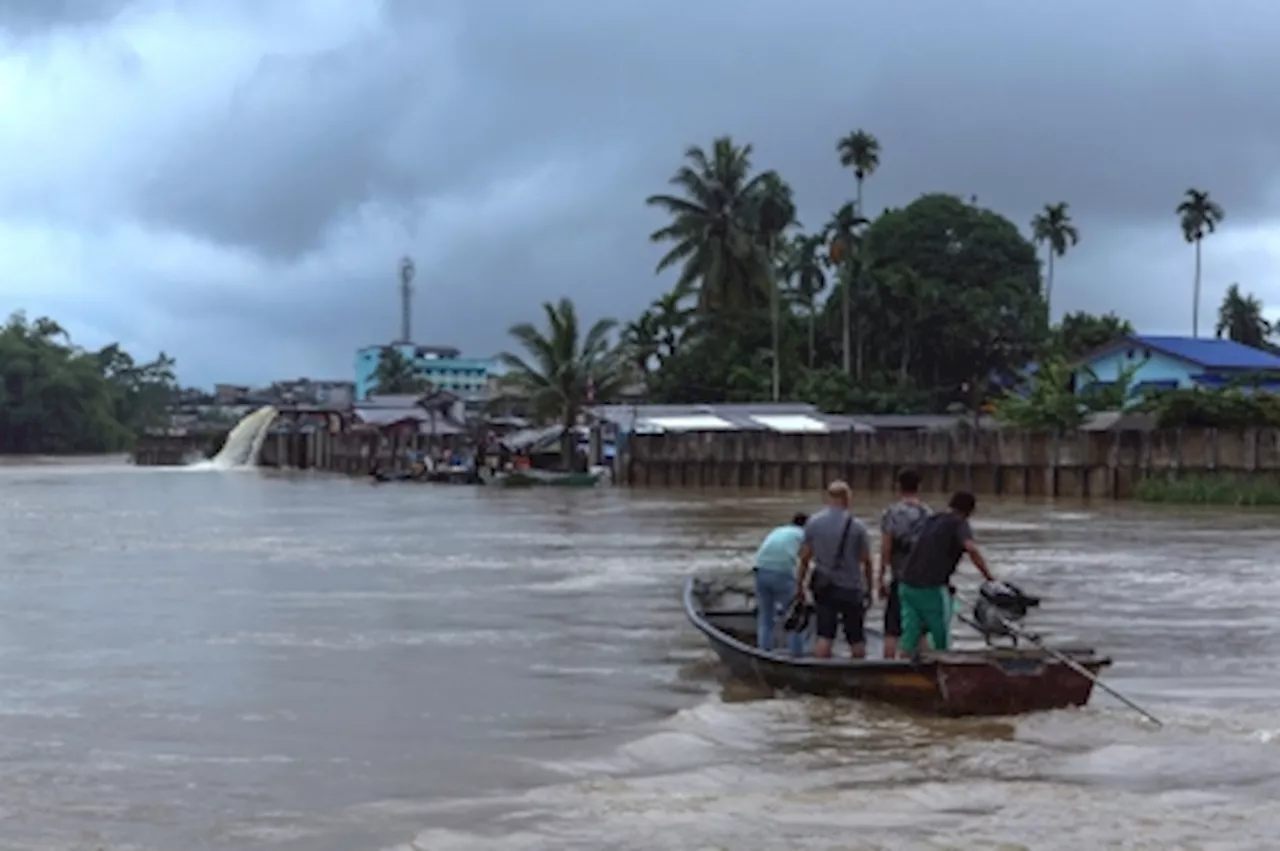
x,y
244,443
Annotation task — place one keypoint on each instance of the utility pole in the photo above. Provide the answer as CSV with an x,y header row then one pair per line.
x,y
406,298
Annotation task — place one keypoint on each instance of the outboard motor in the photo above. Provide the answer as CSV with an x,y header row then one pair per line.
x,y
1000,606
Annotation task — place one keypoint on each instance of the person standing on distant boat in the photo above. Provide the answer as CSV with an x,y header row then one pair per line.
x,y
836,543
775,570
923,588
900,525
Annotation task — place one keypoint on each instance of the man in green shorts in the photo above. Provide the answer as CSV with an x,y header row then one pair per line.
x,y
923,592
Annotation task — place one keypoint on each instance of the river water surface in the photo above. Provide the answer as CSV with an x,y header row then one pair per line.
x,y
244,660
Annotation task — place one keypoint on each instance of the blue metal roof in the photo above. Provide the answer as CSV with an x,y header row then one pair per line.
x,y
1210,353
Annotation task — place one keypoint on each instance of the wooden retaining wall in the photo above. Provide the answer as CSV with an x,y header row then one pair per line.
x,y
317,449
1014,463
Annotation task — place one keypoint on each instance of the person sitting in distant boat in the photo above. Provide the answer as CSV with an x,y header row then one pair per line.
x,y
837,545
775,570
924,591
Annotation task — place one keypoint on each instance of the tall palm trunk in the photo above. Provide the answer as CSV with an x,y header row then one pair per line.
x,y
775,309
813,318
1195,298
858,328
844,316
1048,287
906,355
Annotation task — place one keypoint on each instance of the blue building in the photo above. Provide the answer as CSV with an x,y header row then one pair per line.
x,y
1178,363
443,366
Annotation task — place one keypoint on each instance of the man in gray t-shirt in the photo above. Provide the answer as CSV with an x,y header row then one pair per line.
x,y
837,546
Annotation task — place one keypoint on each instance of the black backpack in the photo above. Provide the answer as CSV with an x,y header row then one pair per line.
x,y
904,542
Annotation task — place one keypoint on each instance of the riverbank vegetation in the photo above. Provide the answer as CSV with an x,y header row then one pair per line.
x,y
58,398
938,305
1222,489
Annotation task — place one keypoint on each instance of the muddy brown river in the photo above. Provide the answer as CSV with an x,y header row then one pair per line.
x,y
240,660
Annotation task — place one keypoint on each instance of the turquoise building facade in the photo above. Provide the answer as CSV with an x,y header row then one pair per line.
x,y
443,366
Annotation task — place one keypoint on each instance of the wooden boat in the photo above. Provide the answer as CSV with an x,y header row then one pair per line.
x,y
383,476
989,681
544,478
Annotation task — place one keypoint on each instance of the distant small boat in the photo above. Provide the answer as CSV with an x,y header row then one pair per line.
x,y
542,478
990,681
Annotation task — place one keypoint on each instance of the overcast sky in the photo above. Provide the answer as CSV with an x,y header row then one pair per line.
x,y
233,181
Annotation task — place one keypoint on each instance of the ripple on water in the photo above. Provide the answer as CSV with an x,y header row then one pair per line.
x,y
240,661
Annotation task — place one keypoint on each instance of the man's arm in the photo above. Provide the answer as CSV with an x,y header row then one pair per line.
x,y
868,571
886,558
975,554
806,555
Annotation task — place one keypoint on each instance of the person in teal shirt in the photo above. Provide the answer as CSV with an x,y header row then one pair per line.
x,y
775,569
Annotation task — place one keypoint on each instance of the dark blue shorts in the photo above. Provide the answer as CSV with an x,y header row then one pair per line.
x,y
835,607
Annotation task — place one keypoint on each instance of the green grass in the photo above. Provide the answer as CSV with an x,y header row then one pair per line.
x,y
1209,489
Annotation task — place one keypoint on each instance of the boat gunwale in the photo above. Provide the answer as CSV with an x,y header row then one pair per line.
x,y
1087,656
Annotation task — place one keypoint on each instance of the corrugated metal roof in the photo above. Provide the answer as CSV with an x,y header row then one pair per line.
x,y
920,422
1209,352
791,417
534,439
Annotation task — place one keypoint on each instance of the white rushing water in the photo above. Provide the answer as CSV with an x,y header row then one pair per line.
x,y
244,443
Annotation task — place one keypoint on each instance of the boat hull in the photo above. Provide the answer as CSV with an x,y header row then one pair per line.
x,y
955,683
542,478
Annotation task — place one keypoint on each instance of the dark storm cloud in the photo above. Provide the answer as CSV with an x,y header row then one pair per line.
x,y
24,17
1115,108
1017,103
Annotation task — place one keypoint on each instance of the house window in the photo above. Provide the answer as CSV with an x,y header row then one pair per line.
x,y
1129,354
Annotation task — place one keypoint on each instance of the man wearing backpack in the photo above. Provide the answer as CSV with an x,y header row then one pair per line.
x,y
926,576
900,525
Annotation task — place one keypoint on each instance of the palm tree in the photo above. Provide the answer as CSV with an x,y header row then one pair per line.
x,y
802,267
842,241
397,374
1240,319
640,337
565,369
1053,227
859,151
711,227
671,320
773,212
1199,215
912,301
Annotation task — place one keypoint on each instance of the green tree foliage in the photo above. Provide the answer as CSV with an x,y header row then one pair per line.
x,y
397,374
1052,401
804,276
931,307
1080,333
1240,319
56,397
715,227
955,291
562,369
1227,407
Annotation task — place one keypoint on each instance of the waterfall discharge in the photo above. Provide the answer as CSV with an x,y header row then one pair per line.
x,y
244,443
